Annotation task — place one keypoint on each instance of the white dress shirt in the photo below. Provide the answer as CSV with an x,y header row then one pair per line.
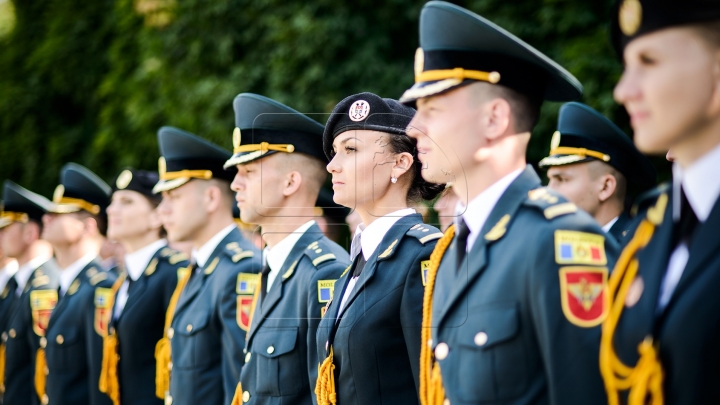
x,y
201,256
26,270
7,272
369,238
606,227
68,274
135,264
478,210
275,257
701,184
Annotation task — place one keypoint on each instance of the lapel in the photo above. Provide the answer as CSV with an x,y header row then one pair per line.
x,y
475,261
139,285
385,250
64,302
620,226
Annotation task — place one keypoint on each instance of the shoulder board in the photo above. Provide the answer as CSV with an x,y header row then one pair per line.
x,y
91,272
237,253
152,266
424,233
319,252
40,281
549,202
167,251
94,280
648,198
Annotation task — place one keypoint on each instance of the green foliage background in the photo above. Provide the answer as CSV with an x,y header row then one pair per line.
x,y
92,81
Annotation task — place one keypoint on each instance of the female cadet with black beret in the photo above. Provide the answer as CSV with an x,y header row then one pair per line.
x,y
136,305
369,339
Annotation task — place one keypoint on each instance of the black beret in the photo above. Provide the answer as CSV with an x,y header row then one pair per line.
x,y
21,205
458,47
264,126
141,181
584,134
634,18
186,156
80,189
369,112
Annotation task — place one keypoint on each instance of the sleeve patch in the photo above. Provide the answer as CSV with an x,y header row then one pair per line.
x,y
42,303
247,283
424,267
103,309
244,316
584,295
325,290
573,247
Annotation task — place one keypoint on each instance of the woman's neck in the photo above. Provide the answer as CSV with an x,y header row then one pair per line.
x,y
379,208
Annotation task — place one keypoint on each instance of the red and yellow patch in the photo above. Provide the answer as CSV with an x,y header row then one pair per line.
x,y
42,303
584,296
244,308
103,310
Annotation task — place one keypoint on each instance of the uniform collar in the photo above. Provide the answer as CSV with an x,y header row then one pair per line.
x,y
7,272
479,208
701,184
374,233
275,257
68,274
25,271
137,261
606,227
201,256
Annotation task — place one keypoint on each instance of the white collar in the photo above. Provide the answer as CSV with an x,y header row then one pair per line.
x,y
478,210
68,274
701,184
374,233
137,261
606,227
276,256
25,271
7,272
201,256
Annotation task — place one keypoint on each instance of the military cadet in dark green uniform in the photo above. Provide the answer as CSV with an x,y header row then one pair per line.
x,y
139,300
660,341
36,275
206,325
513,306
281,167
369,339
75,224
593,163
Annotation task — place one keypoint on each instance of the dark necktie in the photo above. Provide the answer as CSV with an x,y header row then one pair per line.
x,y
359,265
461,242
263,282
683,231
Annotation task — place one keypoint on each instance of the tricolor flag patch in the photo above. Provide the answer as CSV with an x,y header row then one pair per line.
x,y
246,283
573,247
325,290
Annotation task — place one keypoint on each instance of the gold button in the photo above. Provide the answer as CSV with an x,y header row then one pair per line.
x,y
12,333
43,342
60,339
246,396
45,399
4,337
168,400
170,366
170,333
446,402
429,343
481,338
441,351
189,328
247,358
271,350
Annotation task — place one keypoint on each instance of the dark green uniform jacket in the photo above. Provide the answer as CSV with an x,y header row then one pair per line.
x,y
208,329
281,358
22,338
376,338
516,323
74,341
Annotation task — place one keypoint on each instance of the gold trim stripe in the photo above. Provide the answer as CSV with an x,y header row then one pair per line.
x,y
264,147
193,174
79,203
14,216
457,73
564,150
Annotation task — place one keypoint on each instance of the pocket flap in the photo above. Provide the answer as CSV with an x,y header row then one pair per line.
x,y
274,342
193,324
487,327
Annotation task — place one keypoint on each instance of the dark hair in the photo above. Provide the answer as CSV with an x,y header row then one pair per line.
x,y
100,220
419,188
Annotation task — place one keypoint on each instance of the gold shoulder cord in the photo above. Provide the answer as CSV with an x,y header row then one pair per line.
x,y
431,388
646,378
109,382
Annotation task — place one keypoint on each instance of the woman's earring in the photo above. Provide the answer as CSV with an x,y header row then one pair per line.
x,y
393,180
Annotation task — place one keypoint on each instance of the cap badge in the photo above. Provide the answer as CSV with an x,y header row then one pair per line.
x,y
630,16
555,142
58,194
236,138
359,110
162,167
124,179
419,61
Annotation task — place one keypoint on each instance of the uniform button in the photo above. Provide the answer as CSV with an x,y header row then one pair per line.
x,y
4,337
170,333
189,328
271,350
60,339
441,351
12,333
168,400
43,342
247,358
45,399
47,370
326,345
246,396
481,338
170,366
429,343
446,402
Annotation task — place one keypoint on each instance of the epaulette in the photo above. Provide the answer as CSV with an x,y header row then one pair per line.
x,y
549,202
318,252
237,253
648,198
172,256
424,233
97,278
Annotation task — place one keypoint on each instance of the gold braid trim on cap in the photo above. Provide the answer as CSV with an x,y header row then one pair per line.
x,y
64,202
14,216
565,150
264,147
193,174
457,73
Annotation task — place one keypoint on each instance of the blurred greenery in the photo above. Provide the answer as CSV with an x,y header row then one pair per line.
x,y
91,82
